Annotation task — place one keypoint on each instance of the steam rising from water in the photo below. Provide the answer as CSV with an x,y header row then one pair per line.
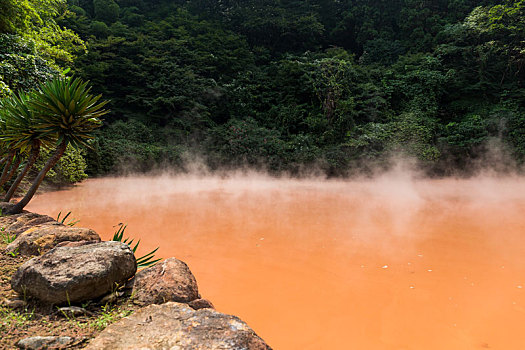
x,y
393,262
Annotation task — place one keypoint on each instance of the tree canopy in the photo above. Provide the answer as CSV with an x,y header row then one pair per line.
x,y
283,84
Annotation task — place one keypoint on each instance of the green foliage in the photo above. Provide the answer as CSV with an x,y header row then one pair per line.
x,y
143,261
71,167
20,124
132,145
414,134
100,29
62,110
410,133
472,130
6,237
22,67
286,84
66,108
25,15
110,314
64,218
106,10
11,319
35,20
251,144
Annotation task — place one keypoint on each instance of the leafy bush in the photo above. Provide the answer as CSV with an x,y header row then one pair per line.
x,y
244,142
21,66
131,146
69,169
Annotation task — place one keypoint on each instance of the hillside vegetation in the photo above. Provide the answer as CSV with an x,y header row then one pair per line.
x,y
283,84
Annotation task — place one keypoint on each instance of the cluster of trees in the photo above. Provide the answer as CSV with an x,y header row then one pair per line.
x,y
284,83
33,46
45,118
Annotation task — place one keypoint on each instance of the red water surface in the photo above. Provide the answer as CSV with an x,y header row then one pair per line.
x,y
389,263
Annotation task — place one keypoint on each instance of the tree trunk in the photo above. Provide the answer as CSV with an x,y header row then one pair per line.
x,y
35,151
18,207
7,166
14,168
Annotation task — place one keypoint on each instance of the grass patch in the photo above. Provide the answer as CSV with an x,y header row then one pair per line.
x,y
110,314
14,320
6,237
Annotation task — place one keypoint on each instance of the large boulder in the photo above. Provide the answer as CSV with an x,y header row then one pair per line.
x,y
177,326
41,238
72,274
170,280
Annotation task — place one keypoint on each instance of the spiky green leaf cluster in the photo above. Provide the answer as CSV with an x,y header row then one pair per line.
x,y
20,123
64,218
143,261
66,108
4,149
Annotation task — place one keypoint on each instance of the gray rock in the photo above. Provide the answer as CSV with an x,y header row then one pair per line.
x,y
36,343
72,274
41,238
177,326
73,311
170,280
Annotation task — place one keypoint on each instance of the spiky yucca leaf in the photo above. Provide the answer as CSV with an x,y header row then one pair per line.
x,y
66,108
143,261
4,146
20,124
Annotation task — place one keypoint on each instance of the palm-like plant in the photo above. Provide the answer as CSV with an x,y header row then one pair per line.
x,y
8,152
5,151
13,160
67,111
21,131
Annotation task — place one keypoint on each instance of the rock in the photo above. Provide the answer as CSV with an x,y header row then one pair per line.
x,y
14,303
201,304
41,238
35,343
177,326
73,311
25,221
170,280
72,274
8,220
6,206
74,244
110,298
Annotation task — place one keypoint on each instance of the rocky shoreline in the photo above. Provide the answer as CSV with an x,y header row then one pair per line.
x,y
70,272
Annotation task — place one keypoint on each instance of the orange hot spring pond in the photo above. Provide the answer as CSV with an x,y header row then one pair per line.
x,y
389,263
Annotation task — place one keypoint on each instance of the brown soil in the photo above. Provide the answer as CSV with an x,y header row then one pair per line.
x,y
36,319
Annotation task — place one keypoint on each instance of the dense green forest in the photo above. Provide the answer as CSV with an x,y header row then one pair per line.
x,y
282,84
